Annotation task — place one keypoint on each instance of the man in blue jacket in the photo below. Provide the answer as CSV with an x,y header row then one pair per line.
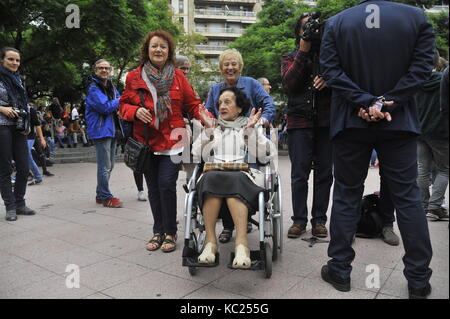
x,y
102,103
375,56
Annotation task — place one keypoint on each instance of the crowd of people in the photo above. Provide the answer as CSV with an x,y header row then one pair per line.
x,y
344,104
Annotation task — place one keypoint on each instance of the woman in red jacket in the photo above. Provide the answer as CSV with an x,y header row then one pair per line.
x,y
166,94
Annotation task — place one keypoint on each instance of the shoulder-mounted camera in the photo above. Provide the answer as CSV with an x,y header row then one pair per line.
x,y
312,29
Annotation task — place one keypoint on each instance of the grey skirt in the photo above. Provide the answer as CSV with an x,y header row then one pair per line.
x,y
228,184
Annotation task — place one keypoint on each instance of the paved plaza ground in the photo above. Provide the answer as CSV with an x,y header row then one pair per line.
x,y
108,246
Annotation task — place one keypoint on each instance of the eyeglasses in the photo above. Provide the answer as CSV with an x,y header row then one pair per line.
x,y
106,68
185,68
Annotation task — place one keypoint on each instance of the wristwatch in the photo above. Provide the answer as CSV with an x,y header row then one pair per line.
x,y
378,104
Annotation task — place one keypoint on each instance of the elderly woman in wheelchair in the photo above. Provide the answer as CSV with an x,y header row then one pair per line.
x,y
227,177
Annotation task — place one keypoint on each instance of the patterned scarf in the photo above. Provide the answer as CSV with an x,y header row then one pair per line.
x,y
162,82
238,123
15,88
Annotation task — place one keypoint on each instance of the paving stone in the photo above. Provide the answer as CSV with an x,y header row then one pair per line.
x,y
58,261
203,275
71,228
39,248
51,288
253,284
316,288
153,260
153,285
117,246
20,273
109,273
211,292
98,295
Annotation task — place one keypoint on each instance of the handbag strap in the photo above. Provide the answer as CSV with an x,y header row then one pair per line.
x,y
146,125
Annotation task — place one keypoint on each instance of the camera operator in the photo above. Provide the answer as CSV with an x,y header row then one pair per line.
x,y
308,127
14,127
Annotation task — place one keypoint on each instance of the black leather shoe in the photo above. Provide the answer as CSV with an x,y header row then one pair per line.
x,y
25,211
337,283
11,215
421,293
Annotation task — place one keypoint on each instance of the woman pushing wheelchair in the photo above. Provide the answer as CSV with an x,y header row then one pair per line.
x,y
235,142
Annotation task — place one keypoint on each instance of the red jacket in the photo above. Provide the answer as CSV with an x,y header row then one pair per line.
x,y
182,97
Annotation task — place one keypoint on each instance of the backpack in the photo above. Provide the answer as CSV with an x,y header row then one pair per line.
x,y
371,223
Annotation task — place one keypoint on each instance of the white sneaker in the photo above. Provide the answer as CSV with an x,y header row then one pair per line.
x,y
142,196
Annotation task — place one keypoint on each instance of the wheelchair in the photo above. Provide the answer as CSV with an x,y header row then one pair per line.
x,y
270,225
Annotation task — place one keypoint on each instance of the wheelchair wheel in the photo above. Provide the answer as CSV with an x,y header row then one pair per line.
x,y
268,260
275,238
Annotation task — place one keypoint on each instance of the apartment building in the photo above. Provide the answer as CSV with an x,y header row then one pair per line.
x,y
221,21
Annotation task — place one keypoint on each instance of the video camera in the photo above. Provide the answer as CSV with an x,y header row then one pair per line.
x,y
22,124
312,29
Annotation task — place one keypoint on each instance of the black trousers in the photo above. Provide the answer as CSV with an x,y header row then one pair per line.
x,y
397,152
162,193
13,146
305,146
386,205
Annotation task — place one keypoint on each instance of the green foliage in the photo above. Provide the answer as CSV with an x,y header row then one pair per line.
x,y
264,42
440,25
331,7
56,59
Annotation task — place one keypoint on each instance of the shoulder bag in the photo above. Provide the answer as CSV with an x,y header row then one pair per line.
x,y
137,155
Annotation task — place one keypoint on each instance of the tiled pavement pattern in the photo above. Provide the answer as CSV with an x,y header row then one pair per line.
x,y
109,247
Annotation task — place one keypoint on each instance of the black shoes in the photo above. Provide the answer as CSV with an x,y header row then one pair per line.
x,y
48,174
421,293
25,211
11,215
337,283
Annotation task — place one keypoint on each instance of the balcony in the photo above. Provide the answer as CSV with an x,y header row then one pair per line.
x,y
228,1
229,15
208,49
219,32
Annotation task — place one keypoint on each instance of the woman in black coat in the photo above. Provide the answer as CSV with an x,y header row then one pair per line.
x,y
14,127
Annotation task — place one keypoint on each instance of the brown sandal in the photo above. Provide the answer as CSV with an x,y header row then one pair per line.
x,y
155,241
171,243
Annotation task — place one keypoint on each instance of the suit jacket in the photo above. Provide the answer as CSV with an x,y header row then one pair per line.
x,y
361,62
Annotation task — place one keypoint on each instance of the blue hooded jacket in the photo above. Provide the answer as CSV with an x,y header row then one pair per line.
x,y
100,111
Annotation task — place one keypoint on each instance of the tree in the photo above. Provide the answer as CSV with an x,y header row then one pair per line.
x,y
56,59
263,43
440,25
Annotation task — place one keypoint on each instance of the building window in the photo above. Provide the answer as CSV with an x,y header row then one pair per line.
x,y
181,6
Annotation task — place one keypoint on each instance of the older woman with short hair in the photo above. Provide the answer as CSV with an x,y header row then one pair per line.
x,y
231,65
166,94
233,138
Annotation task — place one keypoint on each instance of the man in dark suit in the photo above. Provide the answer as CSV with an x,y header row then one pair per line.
x,y
375,56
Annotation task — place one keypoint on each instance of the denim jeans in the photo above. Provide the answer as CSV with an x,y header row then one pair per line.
x,y
13,145
105,149
429,152
33,166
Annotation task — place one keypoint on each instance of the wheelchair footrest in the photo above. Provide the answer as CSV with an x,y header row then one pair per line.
x,y
190,259
255,257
